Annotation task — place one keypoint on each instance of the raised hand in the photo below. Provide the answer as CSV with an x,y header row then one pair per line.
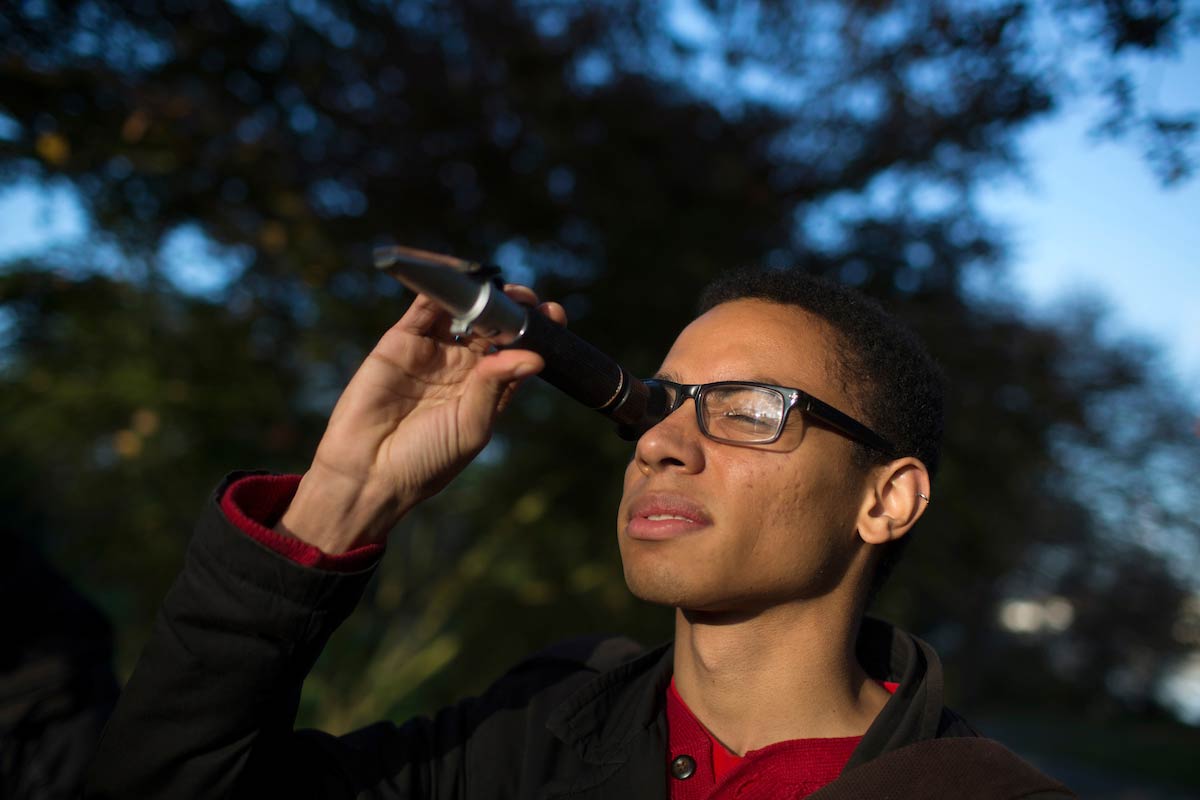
x,y
420,407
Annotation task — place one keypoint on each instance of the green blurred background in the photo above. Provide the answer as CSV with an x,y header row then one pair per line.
x,y
237,161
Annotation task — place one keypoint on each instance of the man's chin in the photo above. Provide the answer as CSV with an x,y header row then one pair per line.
x,y
668,589
709,600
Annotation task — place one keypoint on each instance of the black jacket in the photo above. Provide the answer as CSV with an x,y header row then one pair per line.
x,y
209,710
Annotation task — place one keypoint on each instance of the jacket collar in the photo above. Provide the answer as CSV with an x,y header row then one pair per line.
x,y
914,711
617,722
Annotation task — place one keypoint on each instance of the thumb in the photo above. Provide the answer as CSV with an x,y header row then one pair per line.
x,y
491,378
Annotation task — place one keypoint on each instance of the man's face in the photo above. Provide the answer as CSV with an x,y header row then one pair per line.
x,y
708,526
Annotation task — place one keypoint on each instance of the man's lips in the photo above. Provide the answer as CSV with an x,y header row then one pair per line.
x,y
663,516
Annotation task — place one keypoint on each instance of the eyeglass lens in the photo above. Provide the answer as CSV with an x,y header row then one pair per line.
x,y
742,413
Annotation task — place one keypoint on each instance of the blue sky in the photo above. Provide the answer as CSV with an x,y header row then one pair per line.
x,y
1092,217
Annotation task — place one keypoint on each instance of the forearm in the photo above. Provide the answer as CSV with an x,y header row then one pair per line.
x,y
218,684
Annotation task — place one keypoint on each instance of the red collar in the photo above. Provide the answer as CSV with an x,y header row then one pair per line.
x,y
790,769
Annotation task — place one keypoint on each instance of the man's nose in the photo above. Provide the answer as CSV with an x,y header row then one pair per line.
x,y
675,443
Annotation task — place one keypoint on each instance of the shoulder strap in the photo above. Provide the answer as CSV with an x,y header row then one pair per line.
x,y
974,767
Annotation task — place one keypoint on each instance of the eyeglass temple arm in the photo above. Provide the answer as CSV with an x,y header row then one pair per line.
x,y
844,423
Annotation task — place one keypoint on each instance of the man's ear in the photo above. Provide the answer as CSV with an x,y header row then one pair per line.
x,y
895,497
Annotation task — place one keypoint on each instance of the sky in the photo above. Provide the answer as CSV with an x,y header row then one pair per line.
x,y
1092,217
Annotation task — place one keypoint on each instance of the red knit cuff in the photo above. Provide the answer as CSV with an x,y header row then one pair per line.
x,y
256,502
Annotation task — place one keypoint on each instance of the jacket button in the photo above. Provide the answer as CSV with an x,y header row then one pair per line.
x,y
683,767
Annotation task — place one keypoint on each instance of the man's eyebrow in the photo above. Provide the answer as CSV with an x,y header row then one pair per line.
x,y
664,375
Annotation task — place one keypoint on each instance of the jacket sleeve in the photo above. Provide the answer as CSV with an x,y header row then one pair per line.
x,y
210,707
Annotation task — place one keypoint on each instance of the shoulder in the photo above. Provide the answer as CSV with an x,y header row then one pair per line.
x,y
953,766
516,720
991,768
591,653
548,676
480,740
952,724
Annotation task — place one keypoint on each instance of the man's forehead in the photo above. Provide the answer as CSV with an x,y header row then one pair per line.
x,y
752,340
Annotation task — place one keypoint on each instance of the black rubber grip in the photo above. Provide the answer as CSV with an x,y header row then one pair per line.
x,y
583,372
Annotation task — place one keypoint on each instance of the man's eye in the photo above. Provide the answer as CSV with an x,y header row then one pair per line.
x,y
746,419
748,414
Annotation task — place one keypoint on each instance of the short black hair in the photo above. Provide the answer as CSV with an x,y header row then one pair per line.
x,y
896,384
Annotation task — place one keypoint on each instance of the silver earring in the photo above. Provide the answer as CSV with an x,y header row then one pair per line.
x,y
924,497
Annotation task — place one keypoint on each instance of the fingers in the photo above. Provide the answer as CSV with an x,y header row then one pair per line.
x,y
522,294
527,297
554,311
425,317
501,373
494,379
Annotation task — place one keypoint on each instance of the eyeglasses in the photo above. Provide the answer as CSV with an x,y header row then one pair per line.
x,y
747,412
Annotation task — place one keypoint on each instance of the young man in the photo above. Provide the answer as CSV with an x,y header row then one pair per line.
x,y
796,458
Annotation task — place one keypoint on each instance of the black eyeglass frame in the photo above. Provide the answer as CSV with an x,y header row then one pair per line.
x,y
793,398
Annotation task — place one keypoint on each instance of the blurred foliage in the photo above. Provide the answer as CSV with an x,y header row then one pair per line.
x,y
617,155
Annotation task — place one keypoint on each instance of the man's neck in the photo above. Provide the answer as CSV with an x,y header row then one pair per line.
x,y
788,672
